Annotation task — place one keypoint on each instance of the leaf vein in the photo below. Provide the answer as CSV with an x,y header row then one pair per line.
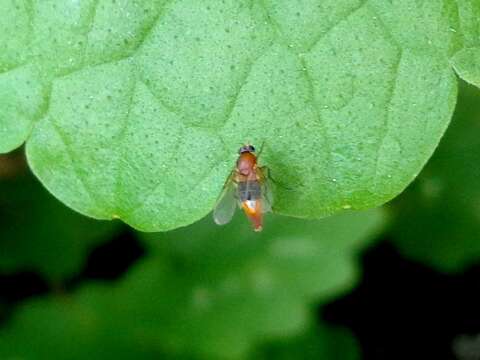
x,y
31,17
71,157
386,122
273,23
342,19
121,138
12,68
171,109
311,93
154,189
91,22
113,58
386,29
249,67
190,192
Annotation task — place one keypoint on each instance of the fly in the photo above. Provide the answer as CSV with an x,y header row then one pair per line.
x,y
248,187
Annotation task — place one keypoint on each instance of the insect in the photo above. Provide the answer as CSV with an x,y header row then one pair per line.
x,y
248,186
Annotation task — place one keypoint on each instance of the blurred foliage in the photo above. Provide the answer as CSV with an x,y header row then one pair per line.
x,y
37,232
322,343
247,286
85,327
438,218
206,292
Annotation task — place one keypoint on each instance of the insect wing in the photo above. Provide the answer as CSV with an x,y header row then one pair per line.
x,y
267,196
226,204
266,189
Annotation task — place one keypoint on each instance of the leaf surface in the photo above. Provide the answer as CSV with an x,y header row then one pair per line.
x,y
140,106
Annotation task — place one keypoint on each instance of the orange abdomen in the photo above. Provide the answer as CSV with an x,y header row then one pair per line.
x,y
253,210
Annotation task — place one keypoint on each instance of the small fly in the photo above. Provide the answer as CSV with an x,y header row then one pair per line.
x,y
247,186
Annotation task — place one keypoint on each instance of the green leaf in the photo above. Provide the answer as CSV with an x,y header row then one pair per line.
x,y
324,342
466,61
21,90
204,291
467,65
437,219
38,233
142,105
20,102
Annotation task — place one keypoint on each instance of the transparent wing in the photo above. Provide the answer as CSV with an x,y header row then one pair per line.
x,y
226,204
267,196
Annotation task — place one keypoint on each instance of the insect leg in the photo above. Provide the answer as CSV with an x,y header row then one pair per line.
x,y
268,175
261,149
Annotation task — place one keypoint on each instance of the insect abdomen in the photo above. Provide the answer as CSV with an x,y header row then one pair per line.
x,y
249,190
